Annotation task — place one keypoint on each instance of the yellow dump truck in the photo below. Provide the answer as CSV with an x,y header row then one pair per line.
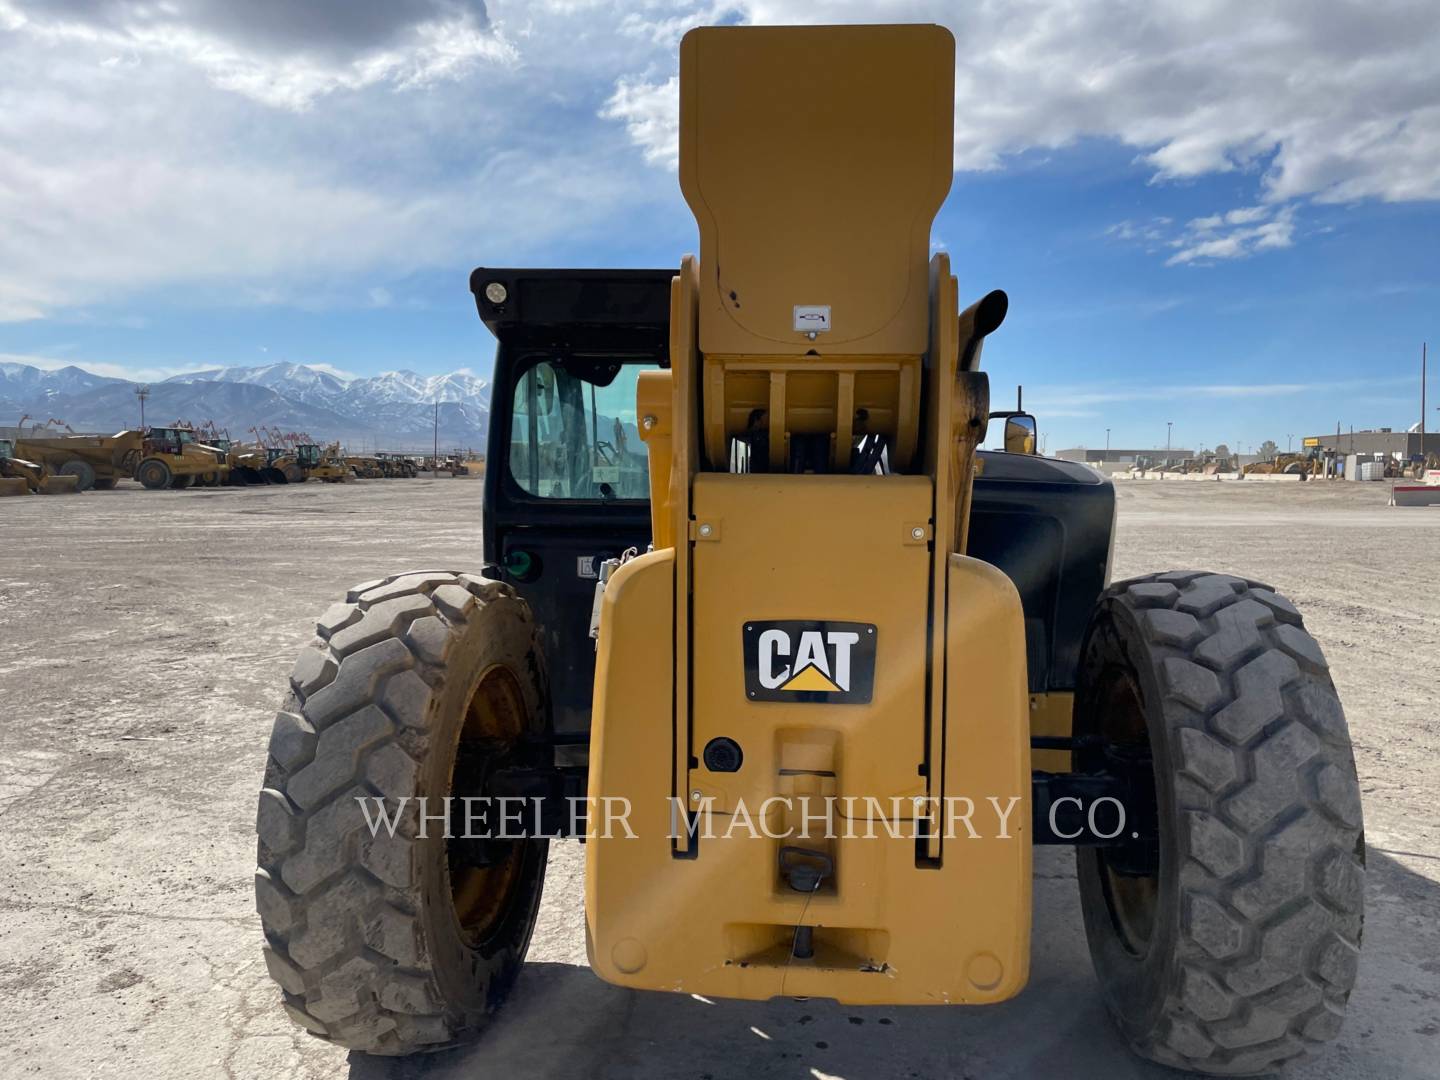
x,y
157,457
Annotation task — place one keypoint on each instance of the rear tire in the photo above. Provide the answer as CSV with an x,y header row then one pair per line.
x,y
83,472
1237,951
394,945
153,474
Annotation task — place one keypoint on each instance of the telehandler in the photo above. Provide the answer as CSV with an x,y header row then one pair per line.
x,y
811,584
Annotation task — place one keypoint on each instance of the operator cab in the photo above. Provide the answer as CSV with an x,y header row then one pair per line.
x,y
567,484
168,440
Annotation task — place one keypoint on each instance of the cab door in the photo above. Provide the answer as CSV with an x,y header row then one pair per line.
x,y
566,486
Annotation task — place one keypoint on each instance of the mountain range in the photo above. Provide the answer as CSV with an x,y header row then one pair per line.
x,y
396,410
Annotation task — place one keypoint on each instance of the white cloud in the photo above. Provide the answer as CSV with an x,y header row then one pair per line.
x,y
651,114
280,52
1234,235
277,152
119,178
1318,99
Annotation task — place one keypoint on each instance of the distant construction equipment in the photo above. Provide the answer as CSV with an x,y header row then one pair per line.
x,y
21,477
187,453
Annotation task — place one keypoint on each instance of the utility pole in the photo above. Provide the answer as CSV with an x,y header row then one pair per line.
x,y
143,392
1289,441
1107,444
435,461
1423,373
1168,425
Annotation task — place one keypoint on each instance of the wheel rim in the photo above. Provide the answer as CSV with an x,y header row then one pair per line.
x,y
496,718
1131,899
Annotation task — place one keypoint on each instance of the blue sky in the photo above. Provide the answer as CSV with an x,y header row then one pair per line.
x,y
1203,214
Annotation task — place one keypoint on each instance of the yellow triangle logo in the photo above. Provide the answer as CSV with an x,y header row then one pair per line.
x,y
809,678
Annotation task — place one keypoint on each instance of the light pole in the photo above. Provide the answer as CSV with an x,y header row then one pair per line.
x,y
1288,441
142,392
1168,425
1107,444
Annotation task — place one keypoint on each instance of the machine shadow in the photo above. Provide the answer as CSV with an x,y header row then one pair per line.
x,y
564,1022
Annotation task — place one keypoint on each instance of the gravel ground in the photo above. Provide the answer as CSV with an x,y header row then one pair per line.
x,y
144,641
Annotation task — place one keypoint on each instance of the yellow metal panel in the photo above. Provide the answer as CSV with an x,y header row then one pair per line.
x,y
655,405
1050,714
815,159
886,928
808,547
631,728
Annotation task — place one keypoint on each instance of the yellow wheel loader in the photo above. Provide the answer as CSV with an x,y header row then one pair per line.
x,y
247,463
292,464
847,670
21,477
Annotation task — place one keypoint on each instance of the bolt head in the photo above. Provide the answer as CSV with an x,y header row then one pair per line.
x,y
648,423
706,530
695,796
917,533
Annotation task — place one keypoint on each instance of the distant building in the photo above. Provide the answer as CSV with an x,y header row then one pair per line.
x,y
1399,444
1123,457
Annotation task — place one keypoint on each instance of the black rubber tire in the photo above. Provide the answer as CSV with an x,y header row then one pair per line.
x,y
179,483
83,472
153,474
361,932
294,474
1255,914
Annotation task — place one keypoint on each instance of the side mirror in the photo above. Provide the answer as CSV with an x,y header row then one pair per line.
x,y
1020,431
1020,434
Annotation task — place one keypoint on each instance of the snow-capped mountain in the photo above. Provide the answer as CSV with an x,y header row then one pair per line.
x,y
21,382
395,410
313,386
296,381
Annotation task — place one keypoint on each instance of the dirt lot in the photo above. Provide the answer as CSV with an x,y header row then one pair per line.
x,y
144,639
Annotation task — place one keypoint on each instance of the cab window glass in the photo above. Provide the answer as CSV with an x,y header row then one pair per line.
x,y
574,439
